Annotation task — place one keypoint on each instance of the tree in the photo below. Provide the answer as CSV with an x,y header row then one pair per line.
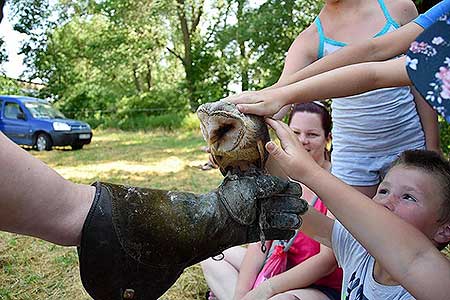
x,y
257,43
188,16
33,19
3,53
100,53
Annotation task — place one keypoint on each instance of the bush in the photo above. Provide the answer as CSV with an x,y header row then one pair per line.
x,y
169,121
444,130
152,103
9,86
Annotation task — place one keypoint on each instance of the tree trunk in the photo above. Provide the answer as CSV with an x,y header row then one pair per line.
x,y
242,51
187,36
136,79
148,76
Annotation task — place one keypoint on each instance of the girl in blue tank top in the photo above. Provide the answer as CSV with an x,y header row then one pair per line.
x,y
369,130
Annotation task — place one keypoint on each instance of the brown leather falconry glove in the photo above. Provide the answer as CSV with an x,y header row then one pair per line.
x,y
136,242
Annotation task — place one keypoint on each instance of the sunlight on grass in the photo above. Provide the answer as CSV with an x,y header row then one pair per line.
x,y
171,164
35,269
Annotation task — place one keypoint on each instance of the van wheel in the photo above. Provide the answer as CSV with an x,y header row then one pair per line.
x,y
43,142
77,146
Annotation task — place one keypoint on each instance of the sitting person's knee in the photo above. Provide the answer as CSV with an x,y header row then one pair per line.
x,y
284,296
207,264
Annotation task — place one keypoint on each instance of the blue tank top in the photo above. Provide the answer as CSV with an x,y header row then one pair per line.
x,y
376,123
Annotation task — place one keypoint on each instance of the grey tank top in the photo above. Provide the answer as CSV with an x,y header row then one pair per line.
x,y
376,123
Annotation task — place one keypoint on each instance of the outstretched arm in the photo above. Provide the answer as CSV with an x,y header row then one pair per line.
x,y
345,81
37,201
412,259
378,49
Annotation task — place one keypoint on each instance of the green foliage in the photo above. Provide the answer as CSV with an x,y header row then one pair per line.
x,y
211,73
275,35
97,65
9,86
154,102
3,53
255,46
140,121
33,19
444,129
143,121
107,60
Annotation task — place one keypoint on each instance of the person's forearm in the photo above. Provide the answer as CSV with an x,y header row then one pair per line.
x,y
429,121
37,201
353,54
306,273
347,81
250,267
377,230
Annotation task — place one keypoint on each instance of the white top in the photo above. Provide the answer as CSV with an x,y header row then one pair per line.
x,y
357,264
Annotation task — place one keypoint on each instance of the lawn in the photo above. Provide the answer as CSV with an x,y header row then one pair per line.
x,y
35,269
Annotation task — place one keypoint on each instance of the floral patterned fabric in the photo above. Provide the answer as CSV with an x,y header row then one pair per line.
x,y
428,65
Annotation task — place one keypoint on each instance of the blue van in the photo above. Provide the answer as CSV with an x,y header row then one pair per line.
x,y
34,122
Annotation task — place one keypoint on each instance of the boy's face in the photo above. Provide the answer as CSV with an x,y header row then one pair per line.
x,y
413,195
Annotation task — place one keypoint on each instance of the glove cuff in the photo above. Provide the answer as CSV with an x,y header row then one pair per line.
x,y
107,271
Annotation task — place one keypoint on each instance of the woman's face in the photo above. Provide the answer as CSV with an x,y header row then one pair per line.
x,y
308,128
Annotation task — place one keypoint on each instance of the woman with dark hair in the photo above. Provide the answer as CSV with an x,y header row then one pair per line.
x,y
309,270
325,118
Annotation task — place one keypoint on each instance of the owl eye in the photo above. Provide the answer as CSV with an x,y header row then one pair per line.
x,y
222,131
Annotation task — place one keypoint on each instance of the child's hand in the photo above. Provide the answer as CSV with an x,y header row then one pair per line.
x,y
292,158
261,103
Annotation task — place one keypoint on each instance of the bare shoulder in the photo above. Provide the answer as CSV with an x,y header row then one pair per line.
x,y
403,11
308,40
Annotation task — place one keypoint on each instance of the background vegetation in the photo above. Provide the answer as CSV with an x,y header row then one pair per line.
x,y
116,60
140,64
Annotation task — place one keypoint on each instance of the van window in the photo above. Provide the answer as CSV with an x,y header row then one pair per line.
x,y
43,111
12,110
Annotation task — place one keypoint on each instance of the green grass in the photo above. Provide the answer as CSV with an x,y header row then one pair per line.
x,y
35,269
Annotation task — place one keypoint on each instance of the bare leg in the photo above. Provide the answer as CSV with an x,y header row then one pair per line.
x,y
37,201
369,191
302,294
222,275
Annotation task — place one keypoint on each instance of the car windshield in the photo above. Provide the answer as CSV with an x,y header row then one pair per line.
x,y
43,111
